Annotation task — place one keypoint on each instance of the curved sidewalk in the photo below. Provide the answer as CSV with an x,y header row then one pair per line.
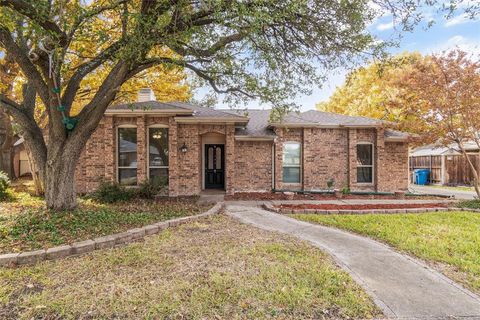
x,y
402,286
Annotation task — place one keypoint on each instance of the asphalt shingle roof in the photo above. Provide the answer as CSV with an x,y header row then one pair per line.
x,y
259,120
329,118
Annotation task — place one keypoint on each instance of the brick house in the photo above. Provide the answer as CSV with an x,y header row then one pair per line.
x,y
194,148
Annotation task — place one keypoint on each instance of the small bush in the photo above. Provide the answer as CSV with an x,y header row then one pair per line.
x,y
110,192
4,184
345,190
150,188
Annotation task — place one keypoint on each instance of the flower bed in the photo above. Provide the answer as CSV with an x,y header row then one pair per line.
x,y
312,196
326,206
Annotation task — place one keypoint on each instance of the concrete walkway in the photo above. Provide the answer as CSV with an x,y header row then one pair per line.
x,y
458,194
403,287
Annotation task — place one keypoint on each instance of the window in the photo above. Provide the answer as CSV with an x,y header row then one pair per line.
x,y
127,156
291,162
158,155
365,163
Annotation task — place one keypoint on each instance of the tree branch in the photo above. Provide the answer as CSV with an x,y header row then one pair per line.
x,y
33,14
25,64
74,83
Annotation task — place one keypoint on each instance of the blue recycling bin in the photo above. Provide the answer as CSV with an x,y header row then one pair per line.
x,y
421,176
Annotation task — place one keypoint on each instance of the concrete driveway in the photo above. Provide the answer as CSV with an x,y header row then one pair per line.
x,y
458,194
401,286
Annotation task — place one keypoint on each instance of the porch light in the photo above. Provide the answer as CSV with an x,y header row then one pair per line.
x,y
184,148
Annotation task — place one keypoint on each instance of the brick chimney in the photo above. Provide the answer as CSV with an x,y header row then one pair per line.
x,y
146,94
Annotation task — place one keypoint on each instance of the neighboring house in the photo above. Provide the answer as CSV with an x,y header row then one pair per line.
x,y
21,166
196,148
447,165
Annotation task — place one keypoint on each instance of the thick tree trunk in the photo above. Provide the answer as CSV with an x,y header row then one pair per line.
x,y
59,185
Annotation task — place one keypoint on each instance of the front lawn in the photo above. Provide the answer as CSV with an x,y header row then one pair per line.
x,y
216,268
451,240
25,224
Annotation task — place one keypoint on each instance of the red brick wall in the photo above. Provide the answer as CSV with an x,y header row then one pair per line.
x,y
394,177
325,157
253,166
327,153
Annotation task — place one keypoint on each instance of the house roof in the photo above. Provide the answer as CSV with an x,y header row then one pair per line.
x,y
437,150
149,107
335,119
253,123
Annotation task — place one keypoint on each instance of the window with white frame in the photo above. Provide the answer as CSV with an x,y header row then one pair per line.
x,y
158,155
364,163
291,162
127,156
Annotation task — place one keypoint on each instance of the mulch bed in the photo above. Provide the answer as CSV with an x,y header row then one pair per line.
x,y
298,196
362,206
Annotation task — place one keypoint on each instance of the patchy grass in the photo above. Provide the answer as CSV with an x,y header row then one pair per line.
x,y
26,224
470,204
451,240
213,269
458,188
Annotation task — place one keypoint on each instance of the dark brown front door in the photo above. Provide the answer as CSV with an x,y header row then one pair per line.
x,y
214,166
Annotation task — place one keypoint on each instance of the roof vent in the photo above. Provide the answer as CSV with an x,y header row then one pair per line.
x,y
146,94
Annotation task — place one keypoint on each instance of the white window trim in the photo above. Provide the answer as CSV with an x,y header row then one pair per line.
x,y
366,166
156,126
293,166
117,150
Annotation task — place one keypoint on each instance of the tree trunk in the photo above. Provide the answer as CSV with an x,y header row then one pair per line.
x,y
60,185
36,177
476,180
6,144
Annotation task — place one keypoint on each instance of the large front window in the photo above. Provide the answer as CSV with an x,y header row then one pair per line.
x,y
365,163
127,156
291,162
158,155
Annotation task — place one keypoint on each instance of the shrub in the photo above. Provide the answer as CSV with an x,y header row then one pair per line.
x,y
345,190
4,184
110,192
150,188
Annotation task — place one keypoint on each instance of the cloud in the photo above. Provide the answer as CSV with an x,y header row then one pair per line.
x,y
458,42
385,26
460,19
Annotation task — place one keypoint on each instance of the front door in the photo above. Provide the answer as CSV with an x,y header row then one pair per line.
x,y
214,166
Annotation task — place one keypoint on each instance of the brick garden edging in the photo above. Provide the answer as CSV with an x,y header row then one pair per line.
x,y
270,207
110,241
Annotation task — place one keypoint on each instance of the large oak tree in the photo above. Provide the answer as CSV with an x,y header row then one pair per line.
x,y
263,49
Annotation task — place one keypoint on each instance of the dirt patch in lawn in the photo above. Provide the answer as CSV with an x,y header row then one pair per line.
x,y
216,268
362,206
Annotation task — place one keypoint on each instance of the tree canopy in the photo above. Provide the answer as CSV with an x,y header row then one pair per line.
x,y
373,91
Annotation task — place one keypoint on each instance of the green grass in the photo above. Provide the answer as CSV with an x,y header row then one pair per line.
x,y
459,188
216,268
470,204
451,240
25,223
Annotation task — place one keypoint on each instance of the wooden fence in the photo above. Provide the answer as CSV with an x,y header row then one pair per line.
x,y
433,163
457,170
